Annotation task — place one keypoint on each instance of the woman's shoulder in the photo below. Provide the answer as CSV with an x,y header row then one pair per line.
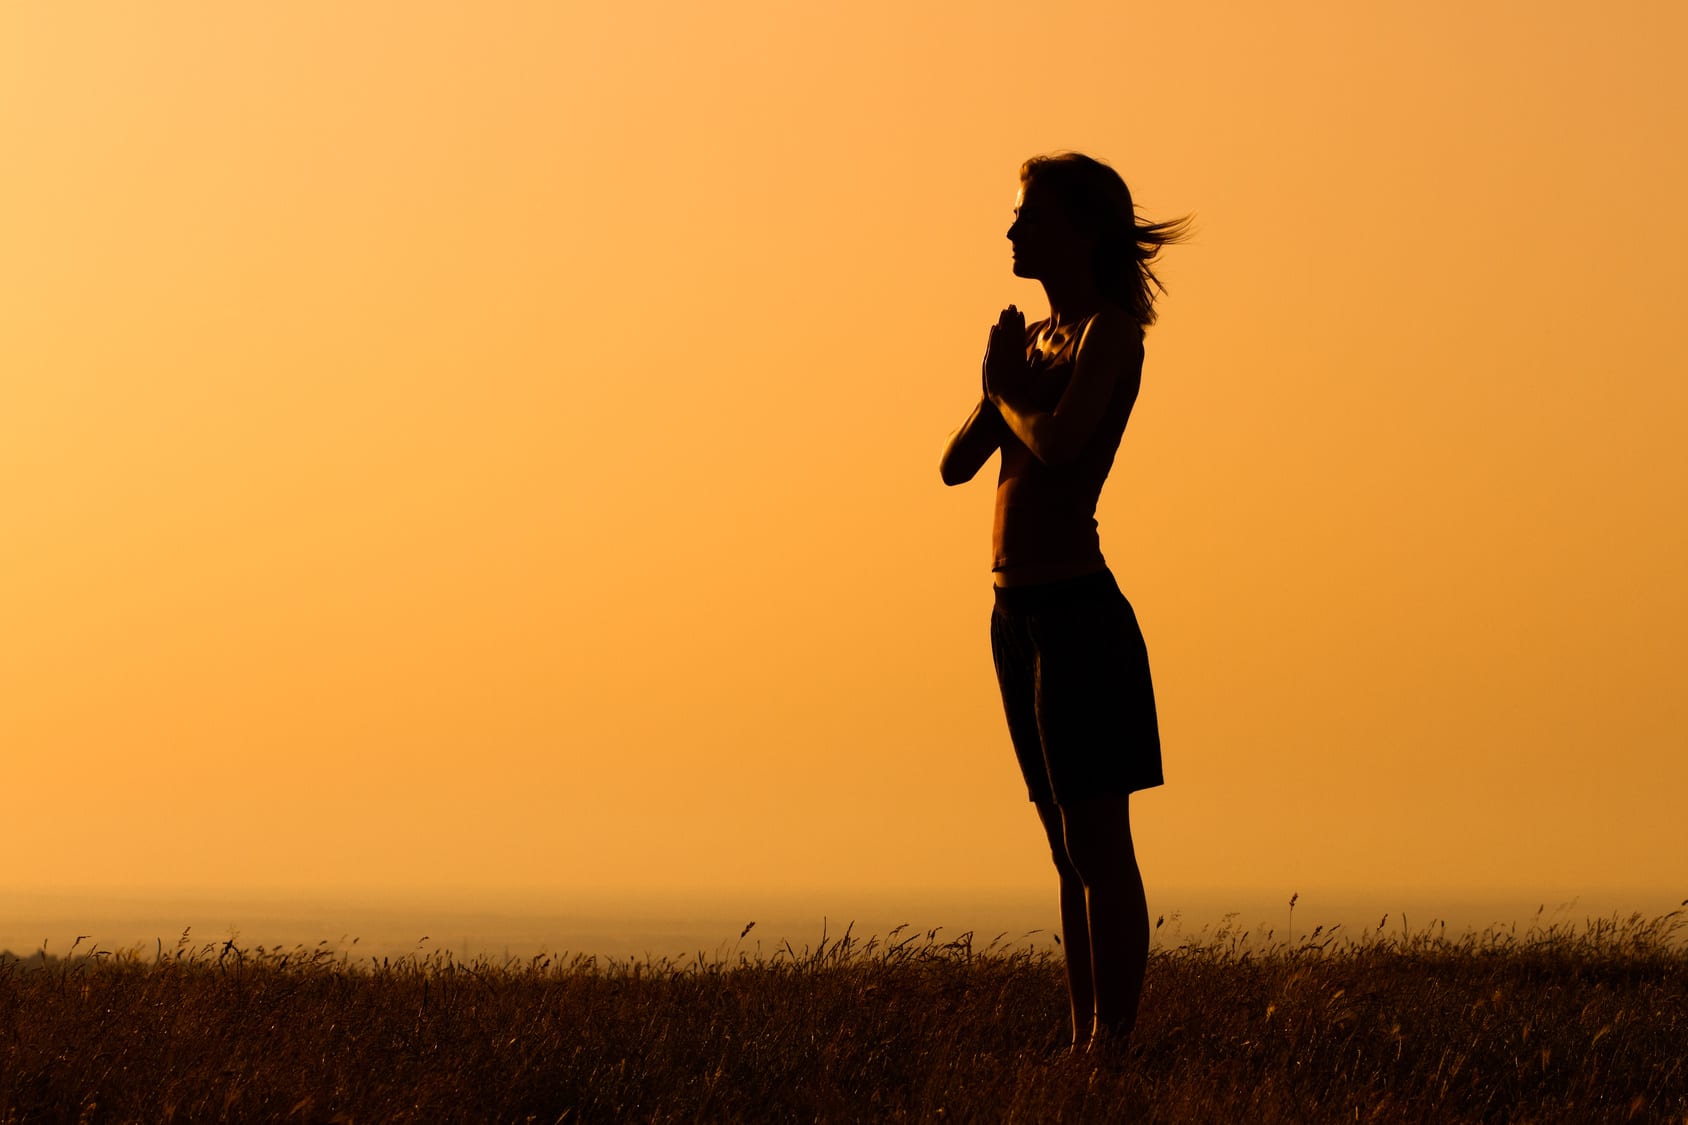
x,y
1114,321
1114,329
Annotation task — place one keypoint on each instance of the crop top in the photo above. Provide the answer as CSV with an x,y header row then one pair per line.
x,y
1047,513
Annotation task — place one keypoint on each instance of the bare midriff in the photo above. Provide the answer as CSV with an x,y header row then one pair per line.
x,y
1032,574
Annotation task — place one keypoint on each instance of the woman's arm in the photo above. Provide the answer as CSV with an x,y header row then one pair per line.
x,y
1105,355
983,432
972,445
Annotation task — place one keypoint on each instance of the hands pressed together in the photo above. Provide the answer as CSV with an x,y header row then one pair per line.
x,y
1007,371
1006,367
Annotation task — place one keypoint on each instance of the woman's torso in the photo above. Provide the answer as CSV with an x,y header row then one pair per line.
x,y
1045,526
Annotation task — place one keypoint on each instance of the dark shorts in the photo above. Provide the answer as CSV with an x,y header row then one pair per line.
x,y
1074,674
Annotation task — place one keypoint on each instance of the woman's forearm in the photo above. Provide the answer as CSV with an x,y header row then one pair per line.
x,y
1038,431
972,445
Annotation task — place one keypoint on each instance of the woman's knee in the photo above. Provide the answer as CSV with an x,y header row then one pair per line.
x,y
1096,836
1054,828
1100,868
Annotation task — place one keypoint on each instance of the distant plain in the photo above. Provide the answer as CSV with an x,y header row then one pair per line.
x,y
679,923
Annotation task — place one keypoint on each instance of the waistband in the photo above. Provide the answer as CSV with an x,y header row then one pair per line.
x,y
1051,595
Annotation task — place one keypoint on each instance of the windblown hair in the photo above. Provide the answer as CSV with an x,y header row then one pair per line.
x,y
1096,200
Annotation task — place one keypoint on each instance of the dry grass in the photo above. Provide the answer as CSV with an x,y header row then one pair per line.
x,y
1546,1025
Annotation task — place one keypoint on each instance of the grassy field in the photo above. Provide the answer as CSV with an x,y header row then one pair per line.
x,y
1556,1024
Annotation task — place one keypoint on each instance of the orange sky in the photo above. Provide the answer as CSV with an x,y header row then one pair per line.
x,y
449,446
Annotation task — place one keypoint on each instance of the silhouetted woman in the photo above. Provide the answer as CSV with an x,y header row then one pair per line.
x,y
1070,658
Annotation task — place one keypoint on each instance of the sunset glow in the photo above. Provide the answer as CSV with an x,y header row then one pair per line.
x,y
450,446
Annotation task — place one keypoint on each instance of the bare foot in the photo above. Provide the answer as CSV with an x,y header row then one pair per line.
x,y
1108,1043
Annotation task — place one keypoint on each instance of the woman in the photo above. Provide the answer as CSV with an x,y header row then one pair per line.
x,y
1070,658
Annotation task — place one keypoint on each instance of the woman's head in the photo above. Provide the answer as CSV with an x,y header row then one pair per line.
x,y
1077,210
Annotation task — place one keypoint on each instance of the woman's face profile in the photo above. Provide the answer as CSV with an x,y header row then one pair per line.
x,y
1045,241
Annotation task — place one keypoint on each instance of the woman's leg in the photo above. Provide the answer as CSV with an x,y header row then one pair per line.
x,y
1097,833
1075,927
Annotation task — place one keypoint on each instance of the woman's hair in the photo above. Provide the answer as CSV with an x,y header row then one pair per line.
x,y
1096,200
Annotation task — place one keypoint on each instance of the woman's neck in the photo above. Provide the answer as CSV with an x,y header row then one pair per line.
x,y
1071,299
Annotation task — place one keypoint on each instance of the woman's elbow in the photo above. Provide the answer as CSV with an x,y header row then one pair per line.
x,y
958,465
